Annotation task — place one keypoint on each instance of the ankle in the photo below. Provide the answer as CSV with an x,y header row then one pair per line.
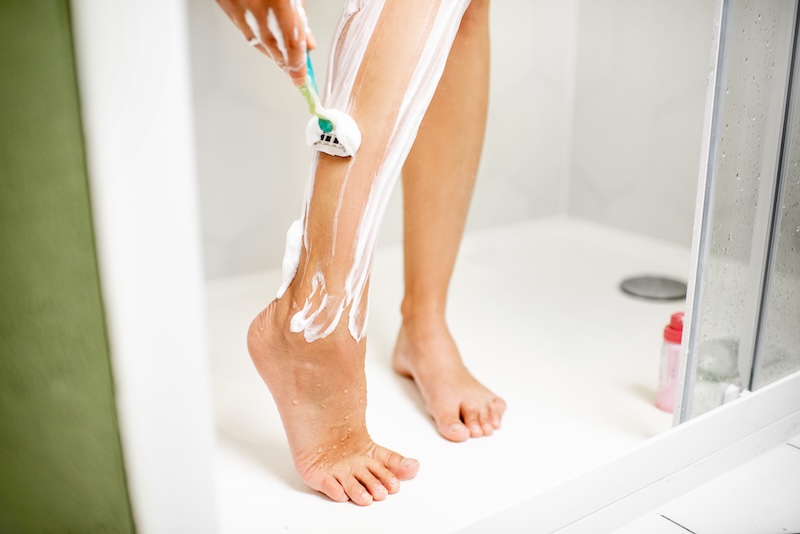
x,y
426,312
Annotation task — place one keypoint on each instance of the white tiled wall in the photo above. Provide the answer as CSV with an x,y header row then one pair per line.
x,y
596,110
642,69
250,124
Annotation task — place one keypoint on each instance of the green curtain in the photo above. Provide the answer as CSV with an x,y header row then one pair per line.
x,y
61,467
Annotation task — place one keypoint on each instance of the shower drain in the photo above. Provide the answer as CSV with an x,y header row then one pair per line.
x,y
654,287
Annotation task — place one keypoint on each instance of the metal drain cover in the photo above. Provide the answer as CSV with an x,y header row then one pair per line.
x,y
654,288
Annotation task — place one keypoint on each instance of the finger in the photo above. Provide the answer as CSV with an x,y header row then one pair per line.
x,y
273,51
311,41
247,22
287,27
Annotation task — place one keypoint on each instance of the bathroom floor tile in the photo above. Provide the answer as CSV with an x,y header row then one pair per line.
x,y
652,524
762,495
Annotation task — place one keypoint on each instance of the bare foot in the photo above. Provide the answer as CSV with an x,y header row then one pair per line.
x,y
320,391
460,405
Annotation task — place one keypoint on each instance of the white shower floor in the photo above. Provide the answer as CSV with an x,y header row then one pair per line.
x,y
539,318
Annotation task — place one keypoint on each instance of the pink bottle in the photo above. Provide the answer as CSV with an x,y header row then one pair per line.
x,y
670,356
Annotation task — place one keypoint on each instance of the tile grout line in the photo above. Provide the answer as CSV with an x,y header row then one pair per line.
x,y
675,522
793,445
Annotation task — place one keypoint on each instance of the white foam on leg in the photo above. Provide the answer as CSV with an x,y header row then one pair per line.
x,y
319,316
291,255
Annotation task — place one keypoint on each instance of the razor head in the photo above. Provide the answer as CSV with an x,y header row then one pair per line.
x,y
341,139
329,143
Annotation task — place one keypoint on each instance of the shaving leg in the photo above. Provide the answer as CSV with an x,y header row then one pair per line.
x,y
438,179
309,344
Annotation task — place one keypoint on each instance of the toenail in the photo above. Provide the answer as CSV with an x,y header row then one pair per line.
x,y
408,462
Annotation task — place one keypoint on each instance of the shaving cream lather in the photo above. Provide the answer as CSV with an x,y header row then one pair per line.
x,y
330,131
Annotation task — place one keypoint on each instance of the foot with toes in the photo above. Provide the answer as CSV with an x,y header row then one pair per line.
x,y
461,406
320,391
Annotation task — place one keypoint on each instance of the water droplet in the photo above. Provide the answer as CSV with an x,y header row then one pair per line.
x,y
345,391
333,447
346,417
343,455
319,450
319,385
324,406
295,402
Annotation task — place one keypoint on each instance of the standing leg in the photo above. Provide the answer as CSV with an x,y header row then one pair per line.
x,y
308,345
438,179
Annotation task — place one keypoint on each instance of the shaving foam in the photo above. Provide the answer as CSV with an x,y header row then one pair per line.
x,y
325,307
291,255
343,124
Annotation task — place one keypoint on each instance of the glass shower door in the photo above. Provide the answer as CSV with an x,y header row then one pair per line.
x,y
745,315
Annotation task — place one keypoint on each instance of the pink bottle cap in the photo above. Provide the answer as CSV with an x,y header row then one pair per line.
x,y
674,330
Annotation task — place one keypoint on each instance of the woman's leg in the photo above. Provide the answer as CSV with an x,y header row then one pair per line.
x,y
438,179
308,345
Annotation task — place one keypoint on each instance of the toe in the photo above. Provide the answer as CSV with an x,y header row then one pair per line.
x,y
386,477
331,487
355,490
485,421
448,421
496,409
470,415
374,486
452,428
403,468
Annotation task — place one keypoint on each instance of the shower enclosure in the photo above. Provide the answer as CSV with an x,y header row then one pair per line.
x,y
744,302
745,314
